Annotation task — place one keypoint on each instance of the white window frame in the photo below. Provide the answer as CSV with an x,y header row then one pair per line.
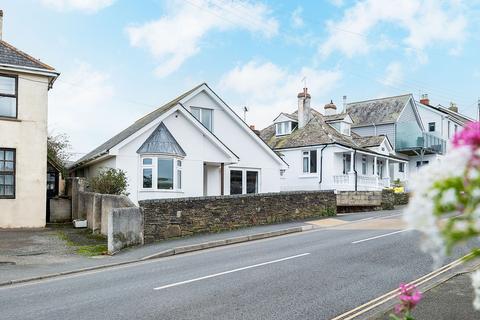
x,y
154,167
201,109
244,178
283,128
307,154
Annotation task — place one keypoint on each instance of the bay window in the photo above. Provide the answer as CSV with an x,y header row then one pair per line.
x,y
8,96
7,173
205,116
160,173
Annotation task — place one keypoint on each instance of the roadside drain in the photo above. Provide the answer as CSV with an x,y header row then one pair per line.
x,y
9,263
32,253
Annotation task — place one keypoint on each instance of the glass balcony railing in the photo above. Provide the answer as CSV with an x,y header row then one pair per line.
x,y
410,138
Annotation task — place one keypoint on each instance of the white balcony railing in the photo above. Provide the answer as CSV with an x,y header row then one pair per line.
x,y
364,182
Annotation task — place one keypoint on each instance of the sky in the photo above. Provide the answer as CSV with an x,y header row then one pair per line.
x,y
121,59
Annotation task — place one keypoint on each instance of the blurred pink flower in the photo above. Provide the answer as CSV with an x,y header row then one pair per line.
x,y
409,298
469,136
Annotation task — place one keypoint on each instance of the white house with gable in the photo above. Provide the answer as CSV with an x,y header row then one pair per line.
x,y
195,145
323,152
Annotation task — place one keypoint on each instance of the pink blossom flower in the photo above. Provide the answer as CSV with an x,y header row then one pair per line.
x,y
469,136
409,298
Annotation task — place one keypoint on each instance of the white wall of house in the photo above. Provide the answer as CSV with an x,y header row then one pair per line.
x,y
201,170
28,136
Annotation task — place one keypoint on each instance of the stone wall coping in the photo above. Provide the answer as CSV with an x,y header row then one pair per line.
x,y
236,196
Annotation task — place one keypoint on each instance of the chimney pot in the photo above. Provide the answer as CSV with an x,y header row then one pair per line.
x,y
424,99
330,108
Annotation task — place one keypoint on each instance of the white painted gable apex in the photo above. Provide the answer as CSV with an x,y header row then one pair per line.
x,y
207,90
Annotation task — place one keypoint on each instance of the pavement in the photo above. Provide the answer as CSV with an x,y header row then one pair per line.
x,y
316,274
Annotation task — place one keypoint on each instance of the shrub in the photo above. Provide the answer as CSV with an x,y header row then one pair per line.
x,y
109,181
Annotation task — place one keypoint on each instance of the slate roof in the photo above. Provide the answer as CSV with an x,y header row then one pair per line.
x,y
378,111
137,125
335,117
455,115
161,141
369,141
317,132
13,56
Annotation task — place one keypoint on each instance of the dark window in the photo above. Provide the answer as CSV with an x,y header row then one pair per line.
x,y
313,161
419,163
8,96
147,178
236,179
401,167
7,173
252,182
364,165
165,174
431,126
346,163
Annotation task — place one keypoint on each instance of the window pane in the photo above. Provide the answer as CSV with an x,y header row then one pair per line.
x,y
252,182
147,161
236,182
7,85
207,118
147,178
9,180
313,161
2,179
305,165
8,107
9,190
2,155
8,166
165,174
2,190
196,113
179,179
9,155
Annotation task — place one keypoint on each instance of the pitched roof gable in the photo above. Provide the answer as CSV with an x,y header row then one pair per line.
x,y
13,56
137,125
377,111
161,141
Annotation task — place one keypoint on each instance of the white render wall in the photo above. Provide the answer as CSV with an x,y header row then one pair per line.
x,y
28,136
200,150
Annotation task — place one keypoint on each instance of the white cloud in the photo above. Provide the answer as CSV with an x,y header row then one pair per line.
x,y
393,75
89,6
425,22
79,106
268,89
296,18
176,36
337,3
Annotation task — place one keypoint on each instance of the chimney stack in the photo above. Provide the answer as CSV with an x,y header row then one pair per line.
x,y
424,99
453,107
304,112
1,24
330,108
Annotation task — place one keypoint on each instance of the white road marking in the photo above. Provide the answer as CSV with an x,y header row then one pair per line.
x,y
230,271
380,236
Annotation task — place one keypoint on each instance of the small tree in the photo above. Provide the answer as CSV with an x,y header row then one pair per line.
x,y
58,149
109,181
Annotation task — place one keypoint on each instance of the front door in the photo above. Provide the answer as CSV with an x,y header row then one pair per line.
x,y
52,187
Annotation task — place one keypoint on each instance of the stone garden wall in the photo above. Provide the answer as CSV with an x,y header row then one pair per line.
x,y
167,218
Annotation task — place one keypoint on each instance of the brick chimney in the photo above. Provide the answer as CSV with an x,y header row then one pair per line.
x,y
453,107
424,99
304,112
1,24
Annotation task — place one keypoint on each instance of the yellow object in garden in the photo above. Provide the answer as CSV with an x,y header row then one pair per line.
x,y
399,189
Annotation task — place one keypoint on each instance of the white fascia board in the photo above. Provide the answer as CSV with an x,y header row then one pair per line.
x,y
178,108
37,71
237,119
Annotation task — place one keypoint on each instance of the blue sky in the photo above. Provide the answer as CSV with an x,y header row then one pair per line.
x,y
120,59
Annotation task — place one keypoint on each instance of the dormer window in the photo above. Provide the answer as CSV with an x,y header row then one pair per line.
x,y
205,116
286,127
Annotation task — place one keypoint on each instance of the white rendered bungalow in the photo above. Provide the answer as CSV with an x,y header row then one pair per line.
x,y
324,154
195,145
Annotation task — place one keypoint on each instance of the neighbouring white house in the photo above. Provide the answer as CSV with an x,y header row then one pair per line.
x,y
195,145
324,152
24,85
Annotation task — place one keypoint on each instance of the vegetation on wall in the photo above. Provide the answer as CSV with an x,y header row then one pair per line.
x,y
58,149
109,181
